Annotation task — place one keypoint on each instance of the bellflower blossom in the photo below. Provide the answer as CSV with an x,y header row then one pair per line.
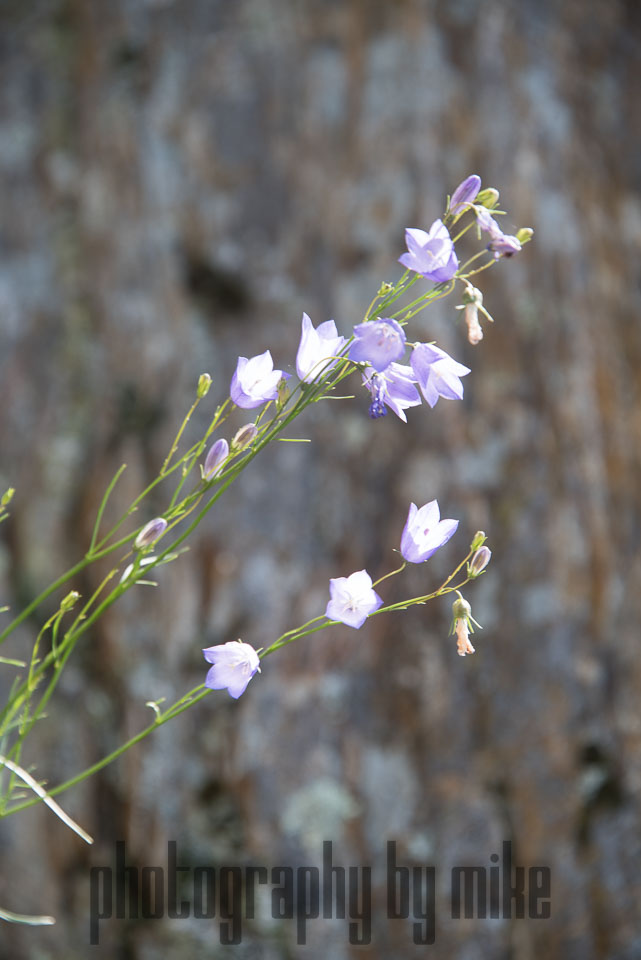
x,y
437,374
465,193
317,349
430,254
234,664
395,387
424,532
255,381
378,342
352,599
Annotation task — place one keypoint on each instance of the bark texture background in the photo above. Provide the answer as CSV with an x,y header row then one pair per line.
x,y
178,182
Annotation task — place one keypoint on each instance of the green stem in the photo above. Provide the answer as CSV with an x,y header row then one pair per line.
x,y
191,698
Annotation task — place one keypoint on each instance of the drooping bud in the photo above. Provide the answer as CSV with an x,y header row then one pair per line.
x,y
204,383
461,609
218,453
244,436
472,303
463,623
69,602
479,561
462,626
488,198
466,192
150,533
474,329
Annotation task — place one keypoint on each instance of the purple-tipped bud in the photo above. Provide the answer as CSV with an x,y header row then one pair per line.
x,y
204,383
150,533
218,453
466,192
479,561
244,436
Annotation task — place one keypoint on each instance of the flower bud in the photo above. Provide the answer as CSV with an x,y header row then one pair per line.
x,y
384,289
150,533
7,497
244,436
524,234
466,192
218,453
479,561
488,198
204,383
478,540
70,600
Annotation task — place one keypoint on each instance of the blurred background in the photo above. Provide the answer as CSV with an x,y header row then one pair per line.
x,y
179,180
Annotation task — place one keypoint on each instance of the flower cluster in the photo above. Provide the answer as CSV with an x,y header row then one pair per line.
x,y
377,347
351,599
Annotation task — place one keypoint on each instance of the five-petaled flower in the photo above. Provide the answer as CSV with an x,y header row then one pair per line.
x,y
318,349
425,532
379,342
431,254
234,664
395,387
352,599
437,374
255,381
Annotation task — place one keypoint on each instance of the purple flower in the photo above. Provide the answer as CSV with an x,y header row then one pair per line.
x,y
378,342
317,349
218,453
234,664
395,387
352,599
504,246
255,381
425,532
487,222
501,244
430,254
465,193
437,374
